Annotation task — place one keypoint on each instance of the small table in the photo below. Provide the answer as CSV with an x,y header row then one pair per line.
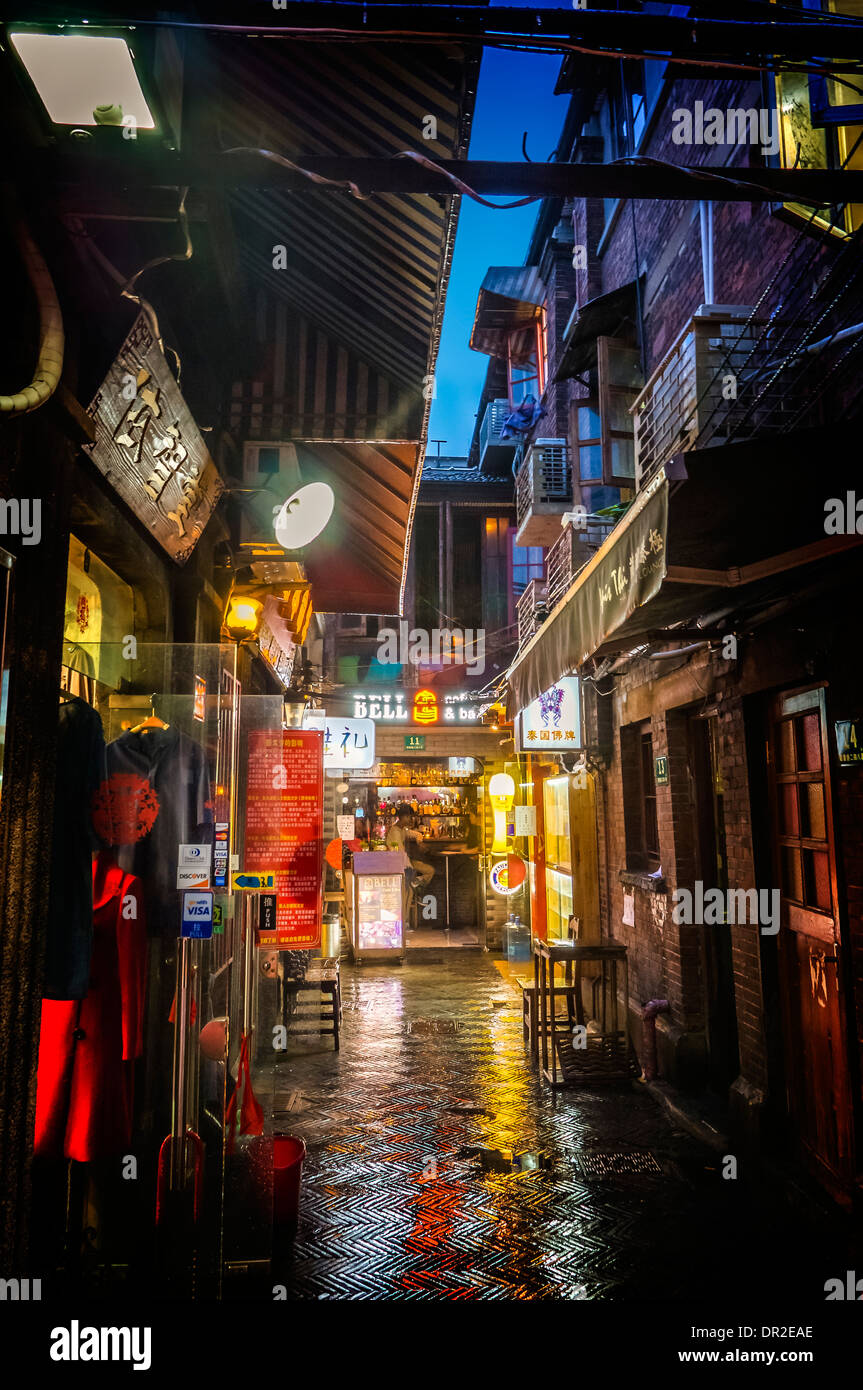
x,y
608,1056
546,954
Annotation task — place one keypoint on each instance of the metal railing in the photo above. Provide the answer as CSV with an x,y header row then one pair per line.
x,y
531,610
489,431
572,551
735,373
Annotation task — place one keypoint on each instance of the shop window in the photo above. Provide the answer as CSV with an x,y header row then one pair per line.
x,y
821,127
99,618
558,850
639,799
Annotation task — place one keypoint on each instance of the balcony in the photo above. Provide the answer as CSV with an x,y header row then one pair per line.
x,y
495,454
571,552
683,401
736,373
531,610
543,492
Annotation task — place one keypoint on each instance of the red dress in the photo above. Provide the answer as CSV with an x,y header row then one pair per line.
x,y
87,1047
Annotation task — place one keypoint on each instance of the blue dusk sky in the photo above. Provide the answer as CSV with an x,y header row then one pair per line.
x,y
515,94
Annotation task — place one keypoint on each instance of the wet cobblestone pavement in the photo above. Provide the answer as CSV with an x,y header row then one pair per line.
x,y
394,1206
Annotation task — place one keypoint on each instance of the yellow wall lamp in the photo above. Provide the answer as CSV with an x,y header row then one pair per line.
x,y
501,790
243,618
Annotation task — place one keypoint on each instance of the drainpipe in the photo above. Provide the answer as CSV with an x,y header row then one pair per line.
x,y
649,1011
705,211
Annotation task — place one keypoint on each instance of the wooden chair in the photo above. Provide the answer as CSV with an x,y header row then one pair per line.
x,y
321,979
530,998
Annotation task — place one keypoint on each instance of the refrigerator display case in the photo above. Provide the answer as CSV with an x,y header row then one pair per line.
x,y
378,905
558,857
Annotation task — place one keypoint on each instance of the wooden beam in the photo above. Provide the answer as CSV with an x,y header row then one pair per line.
x,y
736,575
89,171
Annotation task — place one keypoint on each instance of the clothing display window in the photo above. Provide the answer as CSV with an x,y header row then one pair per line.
x,y
99,618
87,1047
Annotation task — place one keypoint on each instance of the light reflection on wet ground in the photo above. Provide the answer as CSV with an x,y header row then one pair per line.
x,y
397,1204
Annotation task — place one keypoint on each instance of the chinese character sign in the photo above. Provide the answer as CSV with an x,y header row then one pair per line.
x,y
285,829
149,447
348,743
553,721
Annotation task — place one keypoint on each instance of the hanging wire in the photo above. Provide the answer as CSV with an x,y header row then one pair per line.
x,y
127,283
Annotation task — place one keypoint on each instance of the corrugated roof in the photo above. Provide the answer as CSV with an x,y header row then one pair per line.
x,y
366,271
510,297
363,286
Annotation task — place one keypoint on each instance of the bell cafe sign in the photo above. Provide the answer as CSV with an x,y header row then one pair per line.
x,y
422,708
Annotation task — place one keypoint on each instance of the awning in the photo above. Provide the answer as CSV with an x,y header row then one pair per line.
x,y
623,574
510,297
726,537
606,315
356,564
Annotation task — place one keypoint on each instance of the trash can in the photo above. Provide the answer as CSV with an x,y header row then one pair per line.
x,y
288,1155
331,937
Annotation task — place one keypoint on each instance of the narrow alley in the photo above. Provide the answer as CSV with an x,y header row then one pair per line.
x,y
409,1127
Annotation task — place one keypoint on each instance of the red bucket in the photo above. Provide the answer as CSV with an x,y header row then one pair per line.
x,y
288,1155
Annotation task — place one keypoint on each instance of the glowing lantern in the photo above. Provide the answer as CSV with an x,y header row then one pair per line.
x,y
243,617
501,790
425,707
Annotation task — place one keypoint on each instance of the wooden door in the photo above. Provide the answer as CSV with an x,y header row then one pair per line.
x,y
810,950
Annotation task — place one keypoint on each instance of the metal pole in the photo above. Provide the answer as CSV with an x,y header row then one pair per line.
x,y
178,1103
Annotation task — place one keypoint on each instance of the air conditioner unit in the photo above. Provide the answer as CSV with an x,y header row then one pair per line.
x,y
262,461
543,492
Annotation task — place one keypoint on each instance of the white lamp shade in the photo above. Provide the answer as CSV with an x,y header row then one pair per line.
x,y
304,515
501,784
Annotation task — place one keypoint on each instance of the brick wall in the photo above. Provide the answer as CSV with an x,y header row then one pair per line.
x,y
750,242
666,958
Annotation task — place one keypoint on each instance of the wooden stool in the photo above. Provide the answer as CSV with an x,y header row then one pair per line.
x,y
324,981
530,1019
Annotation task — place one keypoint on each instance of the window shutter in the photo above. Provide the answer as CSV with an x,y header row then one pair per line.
x,y
620,381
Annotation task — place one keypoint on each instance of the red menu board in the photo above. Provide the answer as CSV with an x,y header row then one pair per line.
x,y
285,829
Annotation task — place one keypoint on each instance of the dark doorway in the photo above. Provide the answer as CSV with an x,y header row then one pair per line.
x,y
723,1059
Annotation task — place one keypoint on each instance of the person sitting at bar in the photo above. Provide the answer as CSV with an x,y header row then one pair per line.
x,y
403,836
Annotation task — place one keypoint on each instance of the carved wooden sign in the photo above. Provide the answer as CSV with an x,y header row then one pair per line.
x,y
149,448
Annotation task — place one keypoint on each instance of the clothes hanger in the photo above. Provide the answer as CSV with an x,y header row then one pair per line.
x,y
152,721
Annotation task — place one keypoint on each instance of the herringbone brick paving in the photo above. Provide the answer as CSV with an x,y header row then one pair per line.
x,y
395,1206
